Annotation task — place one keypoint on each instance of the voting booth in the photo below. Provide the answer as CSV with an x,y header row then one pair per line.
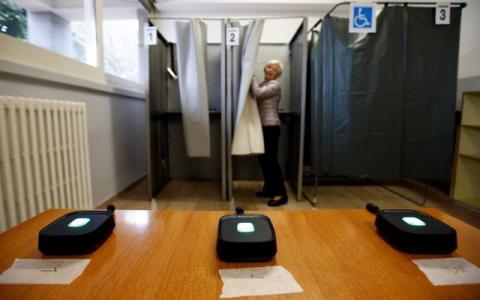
x,y
177,152
293,56
169,153
383,91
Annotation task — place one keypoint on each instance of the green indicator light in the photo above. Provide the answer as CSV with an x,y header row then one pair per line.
x,y
79,222
245,227
413,221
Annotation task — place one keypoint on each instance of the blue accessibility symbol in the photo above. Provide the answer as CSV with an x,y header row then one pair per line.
x,y
362,17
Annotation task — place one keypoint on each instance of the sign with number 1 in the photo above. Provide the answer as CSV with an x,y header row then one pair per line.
x,y
442,14
150,35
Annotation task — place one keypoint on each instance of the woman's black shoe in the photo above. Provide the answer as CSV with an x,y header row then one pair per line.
x,y
263,194
278,202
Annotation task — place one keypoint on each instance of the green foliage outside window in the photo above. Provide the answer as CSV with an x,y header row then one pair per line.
x,y
13,20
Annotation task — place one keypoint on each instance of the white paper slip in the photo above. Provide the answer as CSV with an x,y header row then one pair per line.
x,y
44,271
448,271
258,281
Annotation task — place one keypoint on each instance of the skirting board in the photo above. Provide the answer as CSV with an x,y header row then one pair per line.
x,y
472,209
441,196
122,192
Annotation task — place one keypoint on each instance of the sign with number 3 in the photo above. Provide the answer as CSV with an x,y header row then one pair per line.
x,y
442,14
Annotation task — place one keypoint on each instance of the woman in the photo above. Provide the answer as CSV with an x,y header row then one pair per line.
x,y
268,95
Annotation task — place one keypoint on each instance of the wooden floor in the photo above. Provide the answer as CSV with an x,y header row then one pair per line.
x,y
205,195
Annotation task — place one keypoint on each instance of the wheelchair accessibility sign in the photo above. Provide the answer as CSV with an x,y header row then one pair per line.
x,y
362,17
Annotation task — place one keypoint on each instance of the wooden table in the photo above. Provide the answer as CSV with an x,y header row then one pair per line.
x,y
171,255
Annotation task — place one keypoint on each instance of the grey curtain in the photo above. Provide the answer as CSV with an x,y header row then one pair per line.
x,y
192,79
298,54
371,93
237,66
248,136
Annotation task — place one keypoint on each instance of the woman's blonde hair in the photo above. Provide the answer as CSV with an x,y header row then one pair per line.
x,y
277,63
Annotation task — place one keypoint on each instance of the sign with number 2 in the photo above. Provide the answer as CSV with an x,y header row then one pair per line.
x,y
232,37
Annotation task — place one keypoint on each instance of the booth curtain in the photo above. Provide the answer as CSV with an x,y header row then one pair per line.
x,y
430,94
298,50
248,136
192,80
383,104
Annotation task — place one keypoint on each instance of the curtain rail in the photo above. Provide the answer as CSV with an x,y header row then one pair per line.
x,y
386,3
184,18
231,19
461,4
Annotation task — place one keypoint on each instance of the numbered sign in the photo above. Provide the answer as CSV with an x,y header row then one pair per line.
x,y
363,17
150,35
233,36
442,14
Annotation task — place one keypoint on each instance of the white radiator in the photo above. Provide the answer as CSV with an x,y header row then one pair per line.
x,y
44,159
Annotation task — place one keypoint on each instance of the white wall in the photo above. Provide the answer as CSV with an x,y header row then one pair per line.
x,y
276,31
469,63
116,131
469,60
40,29
23,53
49,31
115,113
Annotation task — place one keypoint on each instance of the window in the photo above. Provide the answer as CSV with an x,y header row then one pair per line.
x,y
13,20
124,54
66,27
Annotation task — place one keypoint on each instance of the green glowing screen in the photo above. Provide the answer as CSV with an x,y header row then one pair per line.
x,y
413,221
79,222
245,227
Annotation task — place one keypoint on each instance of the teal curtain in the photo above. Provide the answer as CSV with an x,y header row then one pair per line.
x,y
430,94
381,105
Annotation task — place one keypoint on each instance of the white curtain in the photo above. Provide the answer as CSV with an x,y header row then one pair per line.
x,y
192,77
248,136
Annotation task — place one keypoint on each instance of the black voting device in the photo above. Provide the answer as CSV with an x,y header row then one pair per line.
x,y
79,232
245,237
413,231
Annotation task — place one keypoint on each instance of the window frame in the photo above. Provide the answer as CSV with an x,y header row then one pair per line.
x,y
31,61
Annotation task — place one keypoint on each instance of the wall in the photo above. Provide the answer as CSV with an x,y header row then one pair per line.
x,y
180,165
469,60
213,64
40,29
49,31
183,167
275,31
115,113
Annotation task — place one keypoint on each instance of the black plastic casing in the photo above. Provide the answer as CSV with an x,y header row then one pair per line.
x,y
233,246
434,238
57,239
